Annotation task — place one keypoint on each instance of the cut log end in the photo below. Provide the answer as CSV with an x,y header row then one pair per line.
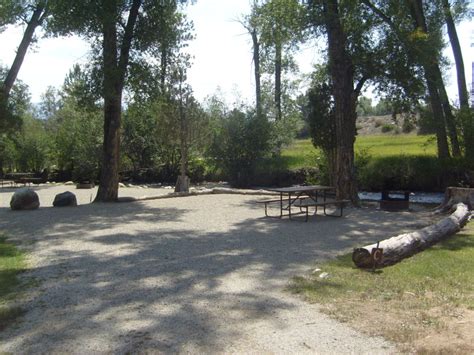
x,y
362,258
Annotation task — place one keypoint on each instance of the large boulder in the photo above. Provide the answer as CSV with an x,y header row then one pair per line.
x,y
65,199
24,199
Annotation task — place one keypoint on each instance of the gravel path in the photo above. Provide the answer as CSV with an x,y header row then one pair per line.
x,y
200,274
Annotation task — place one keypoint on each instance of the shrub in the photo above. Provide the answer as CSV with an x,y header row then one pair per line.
x,y
240,141
416,173
387,127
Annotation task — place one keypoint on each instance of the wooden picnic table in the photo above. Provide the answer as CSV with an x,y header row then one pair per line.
x,y
303,197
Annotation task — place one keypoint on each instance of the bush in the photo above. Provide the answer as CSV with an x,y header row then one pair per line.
x,y
387,127
415,173
241,140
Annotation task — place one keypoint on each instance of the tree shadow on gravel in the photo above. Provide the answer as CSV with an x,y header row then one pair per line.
x,y
166,285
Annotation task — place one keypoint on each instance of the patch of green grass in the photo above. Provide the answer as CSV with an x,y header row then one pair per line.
x,y
302,152
419,292
402,144
443,271
12,262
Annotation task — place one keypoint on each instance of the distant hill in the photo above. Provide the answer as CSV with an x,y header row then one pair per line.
x,y
372,125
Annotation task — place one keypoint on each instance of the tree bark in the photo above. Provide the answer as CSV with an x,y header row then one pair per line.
x,y
278,64
455,195
35,21
467,118
400,247
345,99
114,77
182,184
431,68
458,58
256,61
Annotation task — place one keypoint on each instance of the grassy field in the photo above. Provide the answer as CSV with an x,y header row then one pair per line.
x,y
12,262
425,303
302,153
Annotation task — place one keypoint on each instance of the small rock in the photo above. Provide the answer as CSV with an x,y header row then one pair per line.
x,y
69,183
324,275
65,199
315,271
24,199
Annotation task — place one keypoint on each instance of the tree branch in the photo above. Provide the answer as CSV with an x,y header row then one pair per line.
x,y
127,39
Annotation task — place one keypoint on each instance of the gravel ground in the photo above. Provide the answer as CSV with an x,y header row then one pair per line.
x,y
193,274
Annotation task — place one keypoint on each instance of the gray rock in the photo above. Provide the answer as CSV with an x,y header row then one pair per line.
x,y
24,199
65,199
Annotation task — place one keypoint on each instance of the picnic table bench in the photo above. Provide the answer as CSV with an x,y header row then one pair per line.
x,y
303,198
22,178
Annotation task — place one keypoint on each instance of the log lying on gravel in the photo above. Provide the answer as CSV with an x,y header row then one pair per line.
x,y
405,245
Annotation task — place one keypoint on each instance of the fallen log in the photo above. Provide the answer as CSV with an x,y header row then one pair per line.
x,y
404,245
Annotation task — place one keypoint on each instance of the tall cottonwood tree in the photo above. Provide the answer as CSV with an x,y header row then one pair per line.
x,y
421,38
281,25
252,25
352,55
467,117
32,14
126,29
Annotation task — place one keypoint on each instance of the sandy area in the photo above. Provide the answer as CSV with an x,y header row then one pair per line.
x,y
190,274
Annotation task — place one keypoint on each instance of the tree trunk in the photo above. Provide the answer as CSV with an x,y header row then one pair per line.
x,y
34,22
458,59
455,195
448,114
342,73
467,119
114,77
108,187
400,247
432,82
438,117
182,184
163,69
256,61
278,54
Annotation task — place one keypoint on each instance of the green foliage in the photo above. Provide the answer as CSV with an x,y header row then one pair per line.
x,y
78,142
396,162
32,146
364,106
320,114
416,173
387,127
240,141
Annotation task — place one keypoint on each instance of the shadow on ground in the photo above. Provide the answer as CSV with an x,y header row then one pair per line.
x,y
168,275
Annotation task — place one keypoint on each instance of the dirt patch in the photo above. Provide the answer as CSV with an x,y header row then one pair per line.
x,y
432,331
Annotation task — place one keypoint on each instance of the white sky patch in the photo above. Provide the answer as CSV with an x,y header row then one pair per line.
x,y
222,54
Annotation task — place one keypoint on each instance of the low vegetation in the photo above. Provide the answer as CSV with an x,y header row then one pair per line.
x,y
402,162
302,152
12,262
425,303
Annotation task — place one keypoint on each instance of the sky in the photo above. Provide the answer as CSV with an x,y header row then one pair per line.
x,y
222,54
